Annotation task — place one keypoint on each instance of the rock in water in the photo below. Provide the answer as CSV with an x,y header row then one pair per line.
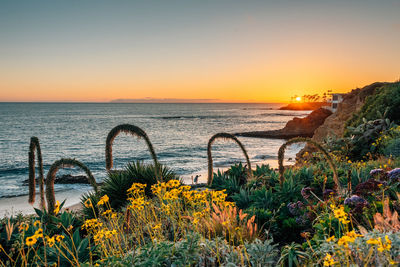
x,y
67,179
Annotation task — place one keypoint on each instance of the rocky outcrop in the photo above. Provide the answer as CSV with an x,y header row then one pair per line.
x,y
304,106
352,102
297,127
68,179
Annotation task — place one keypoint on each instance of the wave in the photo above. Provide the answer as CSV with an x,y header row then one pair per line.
x,y
192,117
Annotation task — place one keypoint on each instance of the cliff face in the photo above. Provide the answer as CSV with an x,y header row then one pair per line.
x,y
352,102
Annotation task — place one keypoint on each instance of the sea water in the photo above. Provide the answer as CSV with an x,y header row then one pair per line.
x,y
179,133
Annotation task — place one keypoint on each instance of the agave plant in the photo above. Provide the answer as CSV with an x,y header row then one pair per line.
x,y
51,176
281,155
35,146
224,136
134,131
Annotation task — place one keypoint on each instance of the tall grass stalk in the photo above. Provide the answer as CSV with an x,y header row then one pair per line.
x,y
134,131
35,146
281,156
51,175
224,136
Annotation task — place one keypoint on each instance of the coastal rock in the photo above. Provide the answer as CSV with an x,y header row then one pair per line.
x,y
67,179
304,106
303,127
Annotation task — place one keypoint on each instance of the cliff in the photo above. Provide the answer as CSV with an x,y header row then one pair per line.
x,y
303,127
352,102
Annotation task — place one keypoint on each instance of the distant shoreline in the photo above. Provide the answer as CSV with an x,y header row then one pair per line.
x,y
138,102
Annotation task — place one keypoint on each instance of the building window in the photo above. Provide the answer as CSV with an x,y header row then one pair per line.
x,y
335,97
334,105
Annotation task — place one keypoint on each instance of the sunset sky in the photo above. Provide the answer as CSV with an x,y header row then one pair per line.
x,y
233,51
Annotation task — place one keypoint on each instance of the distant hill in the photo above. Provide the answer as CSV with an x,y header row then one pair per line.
x,y
164,100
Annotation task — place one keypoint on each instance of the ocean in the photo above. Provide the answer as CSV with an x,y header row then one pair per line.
x,y
179,133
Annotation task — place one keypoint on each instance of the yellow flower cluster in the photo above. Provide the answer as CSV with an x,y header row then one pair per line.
x,y
31,240
102,233
380,245
350,237
103,200
136,188
328,260
340,214
23,227
57,207
137,203
91,224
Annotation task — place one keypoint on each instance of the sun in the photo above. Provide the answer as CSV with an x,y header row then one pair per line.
x,y
298,98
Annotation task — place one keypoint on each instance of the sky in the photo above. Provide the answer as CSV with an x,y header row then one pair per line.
x,y
224,50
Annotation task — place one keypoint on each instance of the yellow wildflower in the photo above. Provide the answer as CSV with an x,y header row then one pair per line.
x,y
30,241
103,200
59,238
50,241
57,207
39,233
373,241
173,183
23,227
88,203
328,260
37,223
332,238
157,226
340,214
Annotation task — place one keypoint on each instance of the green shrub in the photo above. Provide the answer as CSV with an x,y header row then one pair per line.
x,y
386,97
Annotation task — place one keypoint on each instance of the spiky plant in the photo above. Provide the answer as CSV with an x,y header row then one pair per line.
x,y
224,136
35,146
135,131
118,182
51,176
281,155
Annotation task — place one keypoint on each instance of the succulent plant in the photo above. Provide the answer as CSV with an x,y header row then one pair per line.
x,y
394,174
356,202
224,136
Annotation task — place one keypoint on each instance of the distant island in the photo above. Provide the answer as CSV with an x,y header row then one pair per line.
x,y
165,100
